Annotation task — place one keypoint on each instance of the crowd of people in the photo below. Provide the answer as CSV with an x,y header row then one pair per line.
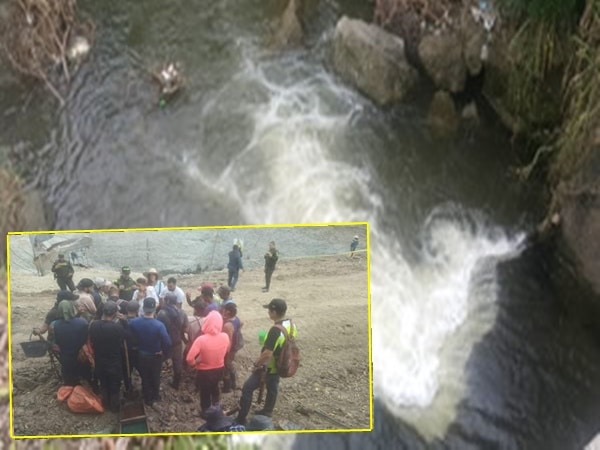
x,y
103,331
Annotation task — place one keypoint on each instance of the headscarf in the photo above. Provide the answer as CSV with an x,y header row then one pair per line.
x,y
66,309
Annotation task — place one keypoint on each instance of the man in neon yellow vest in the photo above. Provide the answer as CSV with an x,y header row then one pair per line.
x,y
266,363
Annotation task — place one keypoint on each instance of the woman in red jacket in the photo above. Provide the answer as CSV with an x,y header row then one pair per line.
x,y
207,356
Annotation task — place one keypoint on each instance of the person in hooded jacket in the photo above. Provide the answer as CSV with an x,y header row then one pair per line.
x,y
207,356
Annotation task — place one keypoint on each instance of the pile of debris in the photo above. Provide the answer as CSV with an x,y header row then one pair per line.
x,y
45,39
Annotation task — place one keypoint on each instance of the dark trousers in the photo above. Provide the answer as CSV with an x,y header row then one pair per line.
x,y
63,283
177,358
268,274
109,377
207,382
232,278
252,384
149,367
71,369
229,378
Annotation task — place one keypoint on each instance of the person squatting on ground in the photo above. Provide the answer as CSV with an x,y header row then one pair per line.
x,y
271,258
154,342
176,322
234,266
125,284
55,314
231,326
63,273
70,333
107,338
207,356
265,366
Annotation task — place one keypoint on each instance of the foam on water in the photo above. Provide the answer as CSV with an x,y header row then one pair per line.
x,y
418,309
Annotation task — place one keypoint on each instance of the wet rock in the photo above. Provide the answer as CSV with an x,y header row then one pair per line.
x,y
578,207
442,59
443,118
288,29
372,60
470,115
474,37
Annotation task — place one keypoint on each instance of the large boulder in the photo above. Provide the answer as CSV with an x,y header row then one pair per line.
x,y
288,30
577,201
373,60
443,118
442,58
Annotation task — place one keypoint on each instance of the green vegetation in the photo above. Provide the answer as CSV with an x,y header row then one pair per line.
x,y
544,10
581,96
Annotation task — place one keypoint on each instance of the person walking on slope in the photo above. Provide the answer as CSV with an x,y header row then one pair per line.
x,y
234,266
265,367
207,356
63,273
353,246
271,258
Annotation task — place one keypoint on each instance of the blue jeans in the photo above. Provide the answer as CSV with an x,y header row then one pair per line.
x,y
253,383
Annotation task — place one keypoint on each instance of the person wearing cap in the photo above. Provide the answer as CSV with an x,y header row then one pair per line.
x,y
85,303
153,342
143,291
154,281
353,246
107,338
267,362
70,333
271,258
63,273
175,320
234,266
206,297
207,356
54,313
125,284
172,287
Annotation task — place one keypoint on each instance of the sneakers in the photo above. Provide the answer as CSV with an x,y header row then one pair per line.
x,y
262,412
265,289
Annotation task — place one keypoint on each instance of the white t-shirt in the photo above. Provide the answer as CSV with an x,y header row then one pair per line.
x,y
178,292
149,293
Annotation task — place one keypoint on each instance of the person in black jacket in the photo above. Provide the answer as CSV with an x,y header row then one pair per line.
x,y
271,258
234,266
107,337
63,273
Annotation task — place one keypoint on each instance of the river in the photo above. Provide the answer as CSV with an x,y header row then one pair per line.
x,y
471,346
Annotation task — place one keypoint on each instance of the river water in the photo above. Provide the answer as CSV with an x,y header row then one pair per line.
x,y
471,347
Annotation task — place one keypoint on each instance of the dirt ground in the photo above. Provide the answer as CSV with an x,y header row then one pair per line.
x,y
327,299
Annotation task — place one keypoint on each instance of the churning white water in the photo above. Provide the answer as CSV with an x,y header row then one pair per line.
x,y
426,315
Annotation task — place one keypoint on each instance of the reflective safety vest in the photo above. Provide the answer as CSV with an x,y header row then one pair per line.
x,y
272,364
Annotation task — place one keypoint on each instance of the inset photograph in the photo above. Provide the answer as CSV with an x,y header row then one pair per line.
x,y
185,331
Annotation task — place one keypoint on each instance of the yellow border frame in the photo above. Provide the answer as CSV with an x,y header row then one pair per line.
x,y
117,230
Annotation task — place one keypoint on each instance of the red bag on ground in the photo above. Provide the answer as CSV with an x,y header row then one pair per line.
x,y
63,393
82,400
